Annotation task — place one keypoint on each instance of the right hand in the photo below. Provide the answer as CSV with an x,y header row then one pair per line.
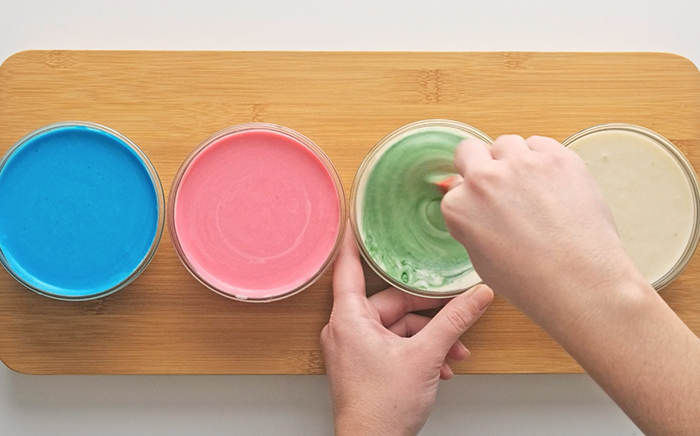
x,y
539,233
533,221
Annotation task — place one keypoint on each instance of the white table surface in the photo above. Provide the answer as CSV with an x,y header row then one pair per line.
x,y
299,405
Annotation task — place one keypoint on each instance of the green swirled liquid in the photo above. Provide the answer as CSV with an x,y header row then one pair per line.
x,y
401,224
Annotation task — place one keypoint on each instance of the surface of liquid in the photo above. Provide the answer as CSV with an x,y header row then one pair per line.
x,y
399,215
257,214
78,211
648,193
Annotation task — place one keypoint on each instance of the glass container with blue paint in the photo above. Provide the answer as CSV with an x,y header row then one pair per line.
x,y
81,211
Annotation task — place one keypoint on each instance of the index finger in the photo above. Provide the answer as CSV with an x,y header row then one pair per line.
x,y
348,277
471,152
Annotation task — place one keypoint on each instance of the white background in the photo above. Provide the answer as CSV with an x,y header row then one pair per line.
x,y
299,405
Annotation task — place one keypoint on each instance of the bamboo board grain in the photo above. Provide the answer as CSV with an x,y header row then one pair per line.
x,y
167,102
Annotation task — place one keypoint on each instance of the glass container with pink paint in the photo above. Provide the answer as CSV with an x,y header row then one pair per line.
x,y
257,212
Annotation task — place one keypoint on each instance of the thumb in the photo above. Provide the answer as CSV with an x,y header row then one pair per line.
x,y
455,318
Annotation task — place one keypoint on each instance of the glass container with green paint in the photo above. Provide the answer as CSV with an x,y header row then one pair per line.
x,y
395,209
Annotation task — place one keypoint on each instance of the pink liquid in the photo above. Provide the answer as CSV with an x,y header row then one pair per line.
x,y
256,214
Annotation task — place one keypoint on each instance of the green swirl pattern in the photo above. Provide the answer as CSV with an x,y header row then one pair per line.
x,y
402,227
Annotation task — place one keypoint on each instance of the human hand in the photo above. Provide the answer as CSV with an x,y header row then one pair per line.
x,y
539,233
533,221
383,361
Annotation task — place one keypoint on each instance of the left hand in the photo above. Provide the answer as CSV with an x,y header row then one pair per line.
x,y
383,361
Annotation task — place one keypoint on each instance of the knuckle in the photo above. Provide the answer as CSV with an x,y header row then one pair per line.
x,y
537,139
458,321
325,334
481,179
543,141
472,309
330,331
508,139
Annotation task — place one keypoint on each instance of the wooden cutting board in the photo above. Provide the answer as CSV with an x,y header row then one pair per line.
x,y
168,102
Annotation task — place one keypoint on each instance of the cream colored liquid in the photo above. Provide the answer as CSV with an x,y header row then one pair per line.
x,y
648,193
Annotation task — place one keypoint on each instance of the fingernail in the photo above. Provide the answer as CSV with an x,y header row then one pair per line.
x,y
482,295
465,349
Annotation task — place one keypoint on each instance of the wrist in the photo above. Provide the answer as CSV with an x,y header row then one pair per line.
x,y
585,283
581,308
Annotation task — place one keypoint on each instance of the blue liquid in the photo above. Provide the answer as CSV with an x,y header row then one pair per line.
x,y
78,211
